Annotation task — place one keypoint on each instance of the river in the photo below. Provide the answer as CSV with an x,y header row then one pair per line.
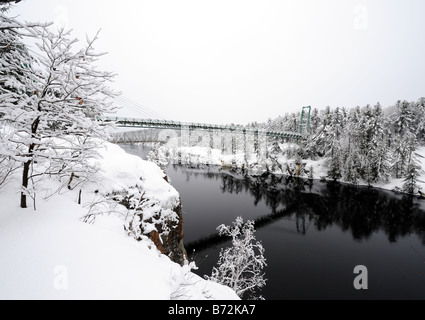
x,y
314,234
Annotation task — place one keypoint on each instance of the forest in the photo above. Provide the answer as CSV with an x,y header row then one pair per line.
x,y
371,143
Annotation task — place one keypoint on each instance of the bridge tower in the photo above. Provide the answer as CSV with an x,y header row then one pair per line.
x,y
305,120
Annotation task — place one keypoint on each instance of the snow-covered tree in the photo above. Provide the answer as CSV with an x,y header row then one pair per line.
x,y
400,156
403,117
376,152
413,168
51,107
380,162
335,167
16,76
240,266
413,172
420,116
352,167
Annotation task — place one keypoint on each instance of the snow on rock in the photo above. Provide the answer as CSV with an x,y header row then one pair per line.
x,y
153,205
120,171
51,254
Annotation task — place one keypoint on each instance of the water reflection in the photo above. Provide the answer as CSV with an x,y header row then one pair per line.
x,y
301,227
361,211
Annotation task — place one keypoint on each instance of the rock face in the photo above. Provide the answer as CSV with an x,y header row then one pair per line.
x,y
153,205
164,226
170,241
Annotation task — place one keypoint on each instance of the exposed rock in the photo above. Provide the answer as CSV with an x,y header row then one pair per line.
x,y
172,241
147,218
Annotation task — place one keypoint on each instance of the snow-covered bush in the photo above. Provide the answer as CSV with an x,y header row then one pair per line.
x,y
158,155
145,215
240,266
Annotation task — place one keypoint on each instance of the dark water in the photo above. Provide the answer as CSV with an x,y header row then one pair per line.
x,y
314,234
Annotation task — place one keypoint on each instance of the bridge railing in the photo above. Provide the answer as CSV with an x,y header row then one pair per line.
x,y
167,124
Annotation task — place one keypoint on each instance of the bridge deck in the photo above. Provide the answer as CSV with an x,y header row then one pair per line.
x,y
166,124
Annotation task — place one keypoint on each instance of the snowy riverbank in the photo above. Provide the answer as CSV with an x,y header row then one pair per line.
x,y
276,164
51,253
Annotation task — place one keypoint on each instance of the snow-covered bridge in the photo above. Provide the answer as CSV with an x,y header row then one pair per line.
x,y
228,138
190,126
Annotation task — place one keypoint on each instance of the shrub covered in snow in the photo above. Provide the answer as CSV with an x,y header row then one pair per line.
x,y
240,266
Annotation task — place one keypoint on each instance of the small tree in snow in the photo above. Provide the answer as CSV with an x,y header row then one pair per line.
x,y
240,266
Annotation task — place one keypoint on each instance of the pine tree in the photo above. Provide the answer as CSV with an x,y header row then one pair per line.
x,y
352,168
377,151
413,168
403,118
381,162
420,116
413,172
314,121
321,139
400,156
335,168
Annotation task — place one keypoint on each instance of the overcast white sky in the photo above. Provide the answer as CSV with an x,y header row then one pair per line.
x,y
239,61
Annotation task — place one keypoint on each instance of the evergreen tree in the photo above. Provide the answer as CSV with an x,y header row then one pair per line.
x,y
380,163
420,116
378,153
401,154
335,168
413,172
403,118
352,167
413,169
314,121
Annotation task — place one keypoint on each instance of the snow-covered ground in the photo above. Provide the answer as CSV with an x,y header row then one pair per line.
x,y
51,253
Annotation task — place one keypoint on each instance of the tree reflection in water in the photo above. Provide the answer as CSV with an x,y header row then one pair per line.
x,y
361,211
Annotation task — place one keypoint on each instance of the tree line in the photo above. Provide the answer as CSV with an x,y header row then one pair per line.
x,y
369,144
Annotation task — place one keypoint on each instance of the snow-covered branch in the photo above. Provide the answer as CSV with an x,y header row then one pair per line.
x,y
50,101
240,266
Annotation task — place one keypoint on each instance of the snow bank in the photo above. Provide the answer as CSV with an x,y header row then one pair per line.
x,y
51,254
120,170
194,156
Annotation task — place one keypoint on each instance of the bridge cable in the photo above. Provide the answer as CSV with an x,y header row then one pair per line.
x,y
141,113
144,111
139,107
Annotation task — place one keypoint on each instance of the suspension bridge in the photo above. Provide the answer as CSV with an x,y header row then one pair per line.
x,y
190,133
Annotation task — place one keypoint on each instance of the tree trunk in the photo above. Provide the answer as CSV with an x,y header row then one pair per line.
x,y
25,174
25,183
